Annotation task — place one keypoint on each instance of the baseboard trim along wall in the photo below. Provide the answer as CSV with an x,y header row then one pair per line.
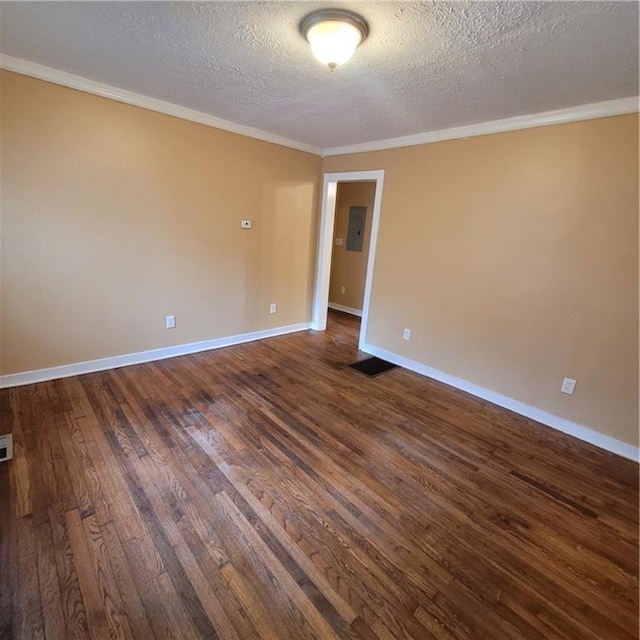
x,y
555,422
341,307
91,366
561,424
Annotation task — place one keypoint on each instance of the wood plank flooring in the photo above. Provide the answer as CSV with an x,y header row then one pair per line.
x,y
268,492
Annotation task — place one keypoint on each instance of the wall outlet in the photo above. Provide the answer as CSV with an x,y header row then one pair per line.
x,y
170,322
343,290
338,242
568,386
406,334
6,447
246,224
273,307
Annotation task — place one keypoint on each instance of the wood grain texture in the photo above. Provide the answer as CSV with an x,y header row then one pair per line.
x,y
267,491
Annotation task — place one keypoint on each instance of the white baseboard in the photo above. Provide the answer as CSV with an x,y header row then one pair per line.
x,y
91,366
561,424
341,307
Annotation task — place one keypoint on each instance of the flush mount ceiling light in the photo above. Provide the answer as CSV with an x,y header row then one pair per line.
x,y
334,34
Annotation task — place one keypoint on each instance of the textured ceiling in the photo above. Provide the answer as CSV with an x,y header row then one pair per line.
x,y
425,66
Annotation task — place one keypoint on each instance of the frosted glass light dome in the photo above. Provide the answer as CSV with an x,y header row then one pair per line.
x,y
334,35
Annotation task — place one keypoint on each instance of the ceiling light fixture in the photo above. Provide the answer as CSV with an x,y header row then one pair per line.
x,y
334,34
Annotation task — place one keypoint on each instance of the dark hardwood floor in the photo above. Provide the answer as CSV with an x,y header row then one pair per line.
x,y
267,491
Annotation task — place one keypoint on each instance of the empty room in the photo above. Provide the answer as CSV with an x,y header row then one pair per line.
x,y
319,321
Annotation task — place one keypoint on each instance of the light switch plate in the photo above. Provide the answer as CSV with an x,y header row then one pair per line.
x,y
339,242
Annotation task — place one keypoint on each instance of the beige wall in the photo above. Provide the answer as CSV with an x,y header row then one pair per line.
x,y
513,258
114,216
349,268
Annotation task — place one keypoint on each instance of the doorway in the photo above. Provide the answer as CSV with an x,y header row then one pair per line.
x,y
351,240
327,241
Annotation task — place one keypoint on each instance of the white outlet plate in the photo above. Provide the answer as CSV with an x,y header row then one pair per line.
x,y
273,307
6,447
406,334
170,322
568,386
343,290
338,242
246,224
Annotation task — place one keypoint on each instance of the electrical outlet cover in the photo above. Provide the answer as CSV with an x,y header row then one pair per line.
x,y
6,447
568,386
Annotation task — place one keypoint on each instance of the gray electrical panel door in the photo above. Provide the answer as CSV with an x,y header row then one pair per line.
x,y
355,233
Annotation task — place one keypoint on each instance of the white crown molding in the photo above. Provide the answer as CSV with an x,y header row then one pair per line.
x,y
91,366
345,309
27,68
545,118
560,116
574,429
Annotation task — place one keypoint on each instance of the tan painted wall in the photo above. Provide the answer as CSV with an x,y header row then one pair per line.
x,y
114,216
349,268
513,258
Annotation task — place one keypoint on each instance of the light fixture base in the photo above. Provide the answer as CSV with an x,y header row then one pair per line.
x,y
336,15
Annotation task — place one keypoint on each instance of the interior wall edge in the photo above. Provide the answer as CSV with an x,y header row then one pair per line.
x,y
558,423
55,76
345,309
619,106
140,357
593,111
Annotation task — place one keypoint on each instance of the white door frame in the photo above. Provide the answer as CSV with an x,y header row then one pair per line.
x,y
325,245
